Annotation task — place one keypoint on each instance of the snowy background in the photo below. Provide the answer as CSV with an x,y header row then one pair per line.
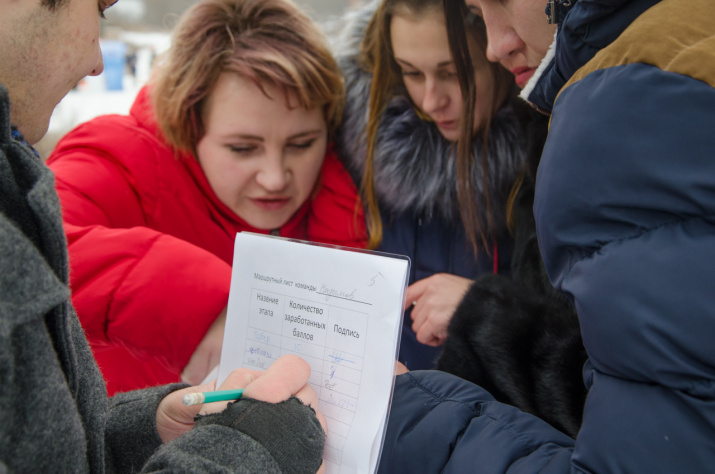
x,y
138,31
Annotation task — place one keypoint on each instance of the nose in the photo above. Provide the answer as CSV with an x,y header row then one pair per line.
x,y
99,67
434,98
502,40
273,175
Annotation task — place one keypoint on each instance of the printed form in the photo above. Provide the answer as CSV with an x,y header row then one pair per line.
x,y
338,309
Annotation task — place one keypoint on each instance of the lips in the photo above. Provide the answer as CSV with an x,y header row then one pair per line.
x,y
270,204
522,75
446,124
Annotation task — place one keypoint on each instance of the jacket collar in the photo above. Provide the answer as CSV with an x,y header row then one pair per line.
x,y
30,231
528,92
588,27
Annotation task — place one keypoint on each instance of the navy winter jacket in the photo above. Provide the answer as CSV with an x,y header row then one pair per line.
x,y
625,196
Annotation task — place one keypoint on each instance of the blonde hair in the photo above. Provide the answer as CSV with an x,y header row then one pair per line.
x,y
266,41
377,57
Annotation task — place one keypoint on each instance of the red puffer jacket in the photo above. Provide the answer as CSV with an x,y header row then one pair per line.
x,y
151,246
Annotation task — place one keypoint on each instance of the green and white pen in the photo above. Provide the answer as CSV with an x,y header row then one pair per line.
x,y
208,397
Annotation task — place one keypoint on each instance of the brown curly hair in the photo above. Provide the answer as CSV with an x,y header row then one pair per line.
x,y
266,41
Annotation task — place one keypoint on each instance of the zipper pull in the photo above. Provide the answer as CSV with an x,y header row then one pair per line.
x,y
551,11
556,10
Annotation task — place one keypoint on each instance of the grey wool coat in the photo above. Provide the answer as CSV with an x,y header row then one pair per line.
x,y
54,412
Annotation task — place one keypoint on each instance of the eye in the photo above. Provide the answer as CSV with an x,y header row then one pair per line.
x,y
411,74
241,149
447,74
302,145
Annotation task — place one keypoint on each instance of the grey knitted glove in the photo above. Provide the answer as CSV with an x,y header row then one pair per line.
x,y
289,430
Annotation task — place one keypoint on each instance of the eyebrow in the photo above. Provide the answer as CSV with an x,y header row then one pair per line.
x,y
246,136
407,63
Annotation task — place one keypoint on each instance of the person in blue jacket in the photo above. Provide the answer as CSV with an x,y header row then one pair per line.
x,y
398,139
624,195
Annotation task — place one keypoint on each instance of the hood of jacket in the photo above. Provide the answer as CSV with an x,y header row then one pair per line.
x,y
588,27
415,166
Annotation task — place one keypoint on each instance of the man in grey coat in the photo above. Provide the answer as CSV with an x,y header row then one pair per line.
x,y
54,412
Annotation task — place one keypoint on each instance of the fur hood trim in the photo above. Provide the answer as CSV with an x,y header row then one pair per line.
x,y
415,166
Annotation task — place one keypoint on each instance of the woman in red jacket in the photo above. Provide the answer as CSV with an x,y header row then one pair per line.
x,y
231,135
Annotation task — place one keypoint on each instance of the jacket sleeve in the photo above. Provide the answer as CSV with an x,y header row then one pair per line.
x,y
150,292
130,434
441,423
336,214
248,436
624,211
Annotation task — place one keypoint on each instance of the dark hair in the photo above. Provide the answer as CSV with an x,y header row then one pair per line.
x,y
454,11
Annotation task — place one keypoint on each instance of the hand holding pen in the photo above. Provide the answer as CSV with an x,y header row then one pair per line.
x,y
286,377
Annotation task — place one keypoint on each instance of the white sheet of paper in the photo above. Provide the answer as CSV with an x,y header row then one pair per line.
x,y
339,310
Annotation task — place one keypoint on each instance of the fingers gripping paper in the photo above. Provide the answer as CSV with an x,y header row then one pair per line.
x,y
341,311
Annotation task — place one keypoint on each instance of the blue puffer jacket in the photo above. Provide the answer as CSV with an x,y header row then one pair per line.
x,y
625,203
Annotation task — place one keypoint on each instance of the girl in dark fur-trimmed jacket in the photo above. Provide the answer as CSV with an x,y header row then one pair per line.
x,y
398,141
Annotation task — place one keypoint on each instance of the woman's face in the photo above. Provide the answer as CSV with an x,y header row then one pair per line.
x,y
518,32
421,50
261,155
